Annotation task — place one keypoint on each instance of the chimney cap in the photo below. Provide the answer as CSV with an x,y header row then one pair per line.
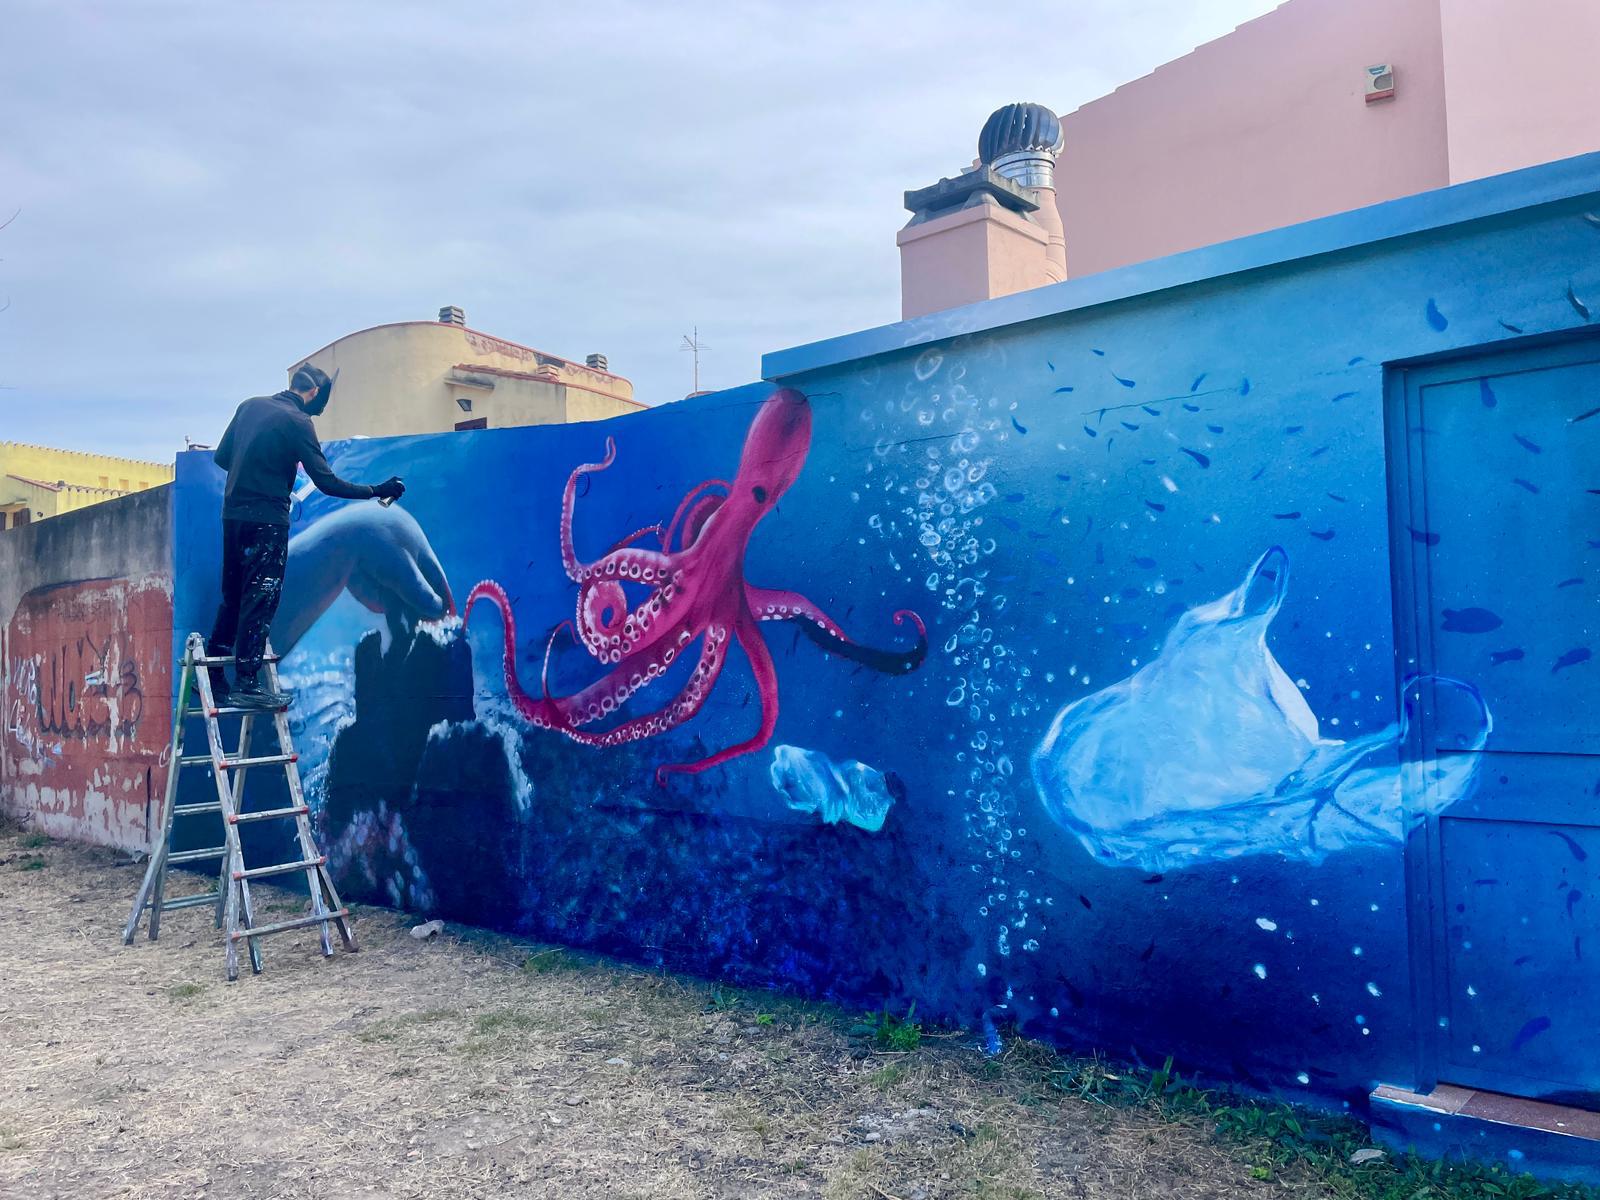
x,y
597,362
1019,128
452,314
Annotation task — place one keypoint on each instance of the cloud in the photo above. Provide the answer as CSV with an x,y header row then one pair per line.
x,y
209,191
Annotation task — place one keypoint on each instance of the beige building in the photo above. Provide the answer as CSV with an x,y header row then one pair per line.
x,y
37,482
434,376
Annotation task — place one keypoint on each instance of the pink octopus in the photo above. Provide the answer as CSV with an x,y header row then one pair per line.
x,y
696,589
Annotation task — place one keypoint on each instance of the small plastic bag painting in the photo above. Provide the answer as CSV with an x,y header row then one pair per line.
x,y
1210,752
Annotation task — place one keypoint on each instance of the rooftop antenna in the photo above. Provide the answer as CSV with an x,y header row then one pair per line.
x,y
694,345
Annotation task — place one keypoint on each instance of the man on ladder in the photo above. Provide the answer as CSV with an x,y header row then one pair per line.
x,y
267,439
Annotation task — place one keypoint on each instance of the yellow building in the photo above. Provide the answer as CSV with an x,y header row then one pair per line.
x,y
434,376
37,482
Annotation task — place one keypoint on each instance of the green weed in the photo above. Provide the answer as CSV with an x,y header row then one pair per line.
x,y
35,841
185,991
890,1032
32,864
885,1078
551,961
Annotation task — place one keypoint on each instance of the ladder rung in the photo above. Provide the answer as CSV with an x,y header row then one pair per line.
x,y
230,764
188,810
265,760
230,710
222,660
184,856
189,901
268,814
281,868
299,923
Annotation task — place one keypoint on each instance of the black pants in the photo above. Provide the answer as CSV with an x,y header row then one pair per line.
x,y
253,559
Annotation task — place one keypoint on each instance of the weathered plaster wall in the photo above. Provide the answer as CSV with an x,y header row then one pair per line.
x,y
85,669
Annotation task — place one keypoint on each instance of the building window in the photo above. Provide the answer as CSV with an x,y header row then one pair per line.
x,y
475,423
21,518
123,484
105,482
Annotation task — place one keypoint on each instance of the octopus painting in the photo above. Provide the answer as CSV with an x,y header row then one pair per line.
x,y
695,589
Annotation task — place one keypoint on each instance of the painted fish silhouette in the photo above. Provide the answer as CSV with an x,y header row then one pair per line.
x,y
1210,752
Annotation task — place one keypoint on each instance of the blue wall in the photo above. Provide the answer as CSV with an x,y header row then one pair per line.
x,y
1144,792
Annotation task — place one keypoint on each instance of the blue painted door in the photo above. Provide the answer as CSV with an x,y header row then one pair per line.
x,y
1498,546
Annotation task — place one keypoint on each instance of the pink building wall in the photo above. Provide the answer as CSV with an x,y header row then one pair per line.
x,y
1261,128
1522,82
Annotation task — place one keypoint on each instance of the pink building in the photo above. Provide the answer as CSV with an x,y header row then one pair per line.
x,y
1274,123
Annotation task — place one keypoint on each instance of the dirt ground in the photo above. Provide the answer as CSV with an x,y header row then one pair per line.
x,y
475,1066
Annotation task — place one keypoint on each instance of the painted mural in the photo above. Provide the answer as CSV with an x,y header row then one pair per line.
x,y
1045,677
86,688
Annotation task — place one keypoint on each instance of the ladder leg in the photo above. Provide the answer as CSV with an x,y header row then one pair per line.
x,y
228,792
150,891
315,875
347,933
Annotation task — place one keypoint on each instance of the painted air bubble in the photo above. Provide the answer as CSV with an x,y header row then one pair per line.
x,y
1269,925
1260,970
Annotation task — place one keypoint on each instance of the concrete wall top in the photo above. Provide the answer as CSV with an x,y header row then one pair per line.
x,y
1573,180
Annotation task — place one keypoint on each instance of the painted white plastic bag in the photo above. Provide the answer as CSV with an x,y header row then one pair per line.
x,y
1211,752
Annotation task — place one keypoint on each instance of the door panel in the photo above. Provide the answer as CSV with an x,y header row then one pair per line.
x,y
1498,536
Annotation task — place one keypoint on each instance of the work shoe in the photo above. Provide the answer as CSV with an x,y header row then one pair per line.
x,y
253,696
219,688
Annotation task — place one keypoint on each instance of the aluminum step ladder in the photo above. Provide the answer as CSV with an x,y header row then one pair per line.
x,y
234,910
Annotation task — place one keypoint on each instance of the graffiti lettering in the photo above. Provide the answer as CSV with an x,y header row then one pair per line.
x,y
81,691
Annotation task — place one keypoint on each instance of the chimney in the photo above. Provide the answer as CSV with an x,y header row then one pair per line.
x,y
1020,143
451,315
596,362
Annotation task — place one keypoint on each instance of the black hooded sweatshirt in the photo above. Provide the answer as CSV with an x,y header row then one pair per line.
x,y
266,440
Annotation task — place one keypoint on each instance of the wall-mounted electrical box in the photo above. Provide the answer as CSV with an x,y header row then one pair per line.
x,y
1380,82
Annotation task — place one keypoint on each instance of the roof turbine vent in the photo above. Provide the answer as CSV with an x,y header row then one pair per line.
x,y
1021,141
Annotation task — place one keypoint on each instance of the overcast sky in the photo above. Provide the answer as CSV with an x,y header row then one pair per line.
x,y
205,192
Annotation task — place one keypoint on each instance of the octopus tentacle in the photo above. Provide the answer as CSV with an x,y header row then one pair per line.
x,y
610,692
491,591
624,632
713,654
636,535
595,599
684,507
766,677
577,571
774,604
697,518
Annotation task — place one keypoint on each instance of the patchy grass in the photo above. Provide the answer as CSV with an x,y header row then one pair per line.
x,y
1293,1147
474,1065
392,1029
34,841
34,863
552,960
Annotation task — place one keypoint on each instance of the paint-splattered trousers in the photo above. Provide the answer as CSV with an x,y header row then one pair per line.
x,y
253,559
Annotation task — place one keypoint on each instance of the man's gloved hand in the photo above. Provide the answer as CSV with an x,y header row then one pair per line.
x,y
390,489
